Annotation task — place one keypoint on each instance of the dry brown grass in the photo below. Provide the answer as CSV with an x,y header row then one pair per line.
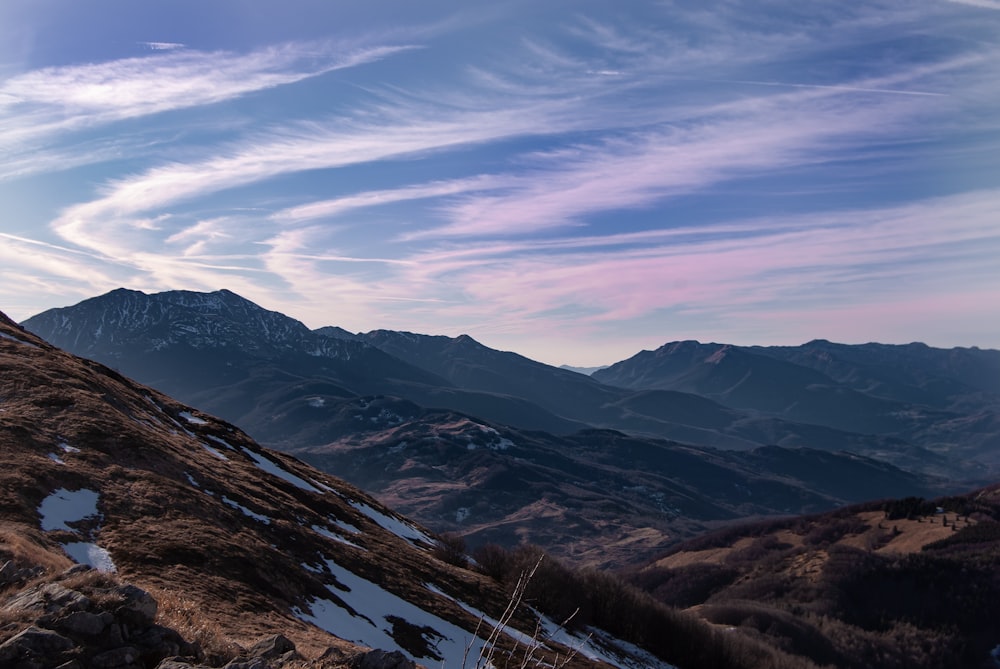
x,y
26,546
188,617
707,556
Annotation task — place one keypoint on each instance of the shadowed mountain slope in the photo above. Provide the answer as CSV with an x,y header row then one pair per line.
x,y
229,536
597,497
228,356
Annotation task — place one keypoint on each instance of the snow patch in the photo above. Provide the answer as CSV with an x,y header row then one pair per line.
x,y
322,531
398,527
66,448
56,459
66,506
344,525
220,442
274,469
214,451
191,480
322,486
601,646
91,554
246,512
194,420
461,514
317,402
488,622
4,335
447,643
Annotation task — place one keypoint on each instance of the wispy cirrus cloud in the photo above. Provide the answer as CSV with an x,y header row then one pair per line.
x,y
758,266
341,205
41,105
163,46
985,4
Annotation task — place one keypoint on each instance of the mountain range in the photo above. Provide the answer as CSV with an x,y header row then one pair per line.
x,y
593,472
928,410
196,547
226,541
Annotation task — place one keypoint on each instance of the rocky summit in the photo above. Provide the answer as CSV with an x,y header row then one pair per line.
x,y
138,532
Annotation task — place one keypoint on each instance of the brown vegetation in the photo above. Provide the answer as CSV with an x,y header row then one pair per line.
x,y
910,583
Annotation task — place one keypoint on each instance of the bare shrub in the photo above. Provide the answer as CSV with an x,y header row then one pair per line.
x,y
450,548
492,560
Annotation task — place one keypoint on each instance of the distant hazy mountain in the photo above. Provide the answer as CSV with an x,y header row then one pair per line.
x,y
582,370
945,401
680,416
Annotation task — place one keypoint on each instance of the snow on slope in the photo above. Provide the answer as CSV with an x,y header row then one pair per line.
x,y
62,507
65,506
274,469
396,526
370,624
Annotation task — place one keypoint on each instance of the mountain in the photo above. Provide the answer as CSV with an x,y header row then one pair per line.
x,y
582,370
272,376
945,402
903,583
254,367
597,498
221,541
947,379
674,415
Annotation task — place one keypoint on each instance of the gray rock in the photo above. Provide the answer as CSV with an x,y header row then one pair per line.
x,y
254,663
125,657
83,623
139,606
8,572
158,642
115,636
35,643
271,647
380,659
11,573
48,598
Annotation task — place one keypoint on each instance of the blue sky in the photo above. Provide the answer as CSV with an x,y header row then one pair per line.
x,y
572,180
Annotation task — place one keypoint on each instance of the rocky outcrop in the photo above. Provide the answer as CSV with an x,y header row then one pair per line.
x,y
83,619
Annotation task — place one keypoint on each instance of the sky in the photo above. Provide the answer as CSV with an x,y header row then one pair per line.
x,y
574,180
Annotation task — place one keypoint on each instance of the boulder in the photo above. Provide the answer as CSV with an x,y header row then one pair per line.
x,y
34,646
126,657
271,647
138,606
48,598
380,659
